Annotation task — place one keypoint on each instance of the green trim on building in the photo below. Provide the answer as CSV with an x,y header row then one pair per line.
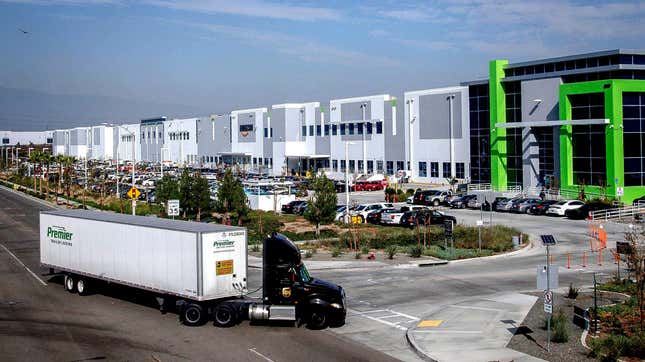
x,y
497,99
614,146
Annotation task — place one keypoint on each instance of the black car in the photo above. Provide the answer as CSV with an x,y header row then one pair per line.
x,y
291,206
461,202
582,212
432,217
639,201
374,217
541,207
420,196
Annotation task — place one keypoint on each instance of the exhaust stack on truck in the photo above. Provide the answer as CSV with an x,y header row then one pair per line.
x,y
199,268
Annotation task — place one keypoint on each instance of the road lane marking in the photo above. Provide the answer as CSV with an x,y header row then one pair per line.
x,y
23,265
446,331
430,323
474,307
382,318
260,354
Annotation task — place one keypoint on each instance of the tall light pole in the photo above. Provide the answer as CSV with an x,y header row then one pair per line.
x,y
452,142
411,120
347,143
17,158
162,149
29,157
134,159
363,106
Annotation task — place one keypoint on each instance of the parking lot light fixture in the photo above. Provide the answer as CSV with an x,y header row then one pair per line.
x,y
134,159
347,143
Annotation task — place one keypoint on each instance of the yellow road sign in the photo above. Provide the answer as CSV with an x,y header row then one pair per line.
x,y
133,193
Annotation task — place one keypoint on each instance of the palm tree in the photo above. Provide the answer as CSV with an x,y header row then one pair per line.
x,y
69,173
59,159
33,159
47,160
41,160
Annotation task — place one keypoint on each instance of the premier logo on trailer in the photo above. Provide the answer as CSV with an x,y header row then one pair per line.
x,y
223,245
58,235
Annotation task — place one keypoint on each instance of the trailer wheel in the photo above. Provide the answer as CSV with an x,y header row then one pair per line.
x,y
70,285
317,319
225,315
81,286
193,315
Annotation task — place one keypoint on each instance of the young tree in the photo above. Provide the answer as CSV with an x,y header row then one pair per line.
x,y
185,191
636,261
321,207
231,197
201,195
167,189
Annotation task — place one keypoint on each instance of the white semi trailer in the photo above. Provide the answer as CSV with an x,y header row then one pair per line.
x,y
202,267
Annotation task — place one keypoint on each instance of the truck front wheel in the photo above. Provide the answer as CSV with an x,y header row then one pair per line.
x,y
193,315
317,318
69,283
225,315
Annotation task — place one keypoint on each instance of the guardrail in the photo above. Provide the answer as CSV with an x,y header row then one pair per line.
x,y
515,189
618,213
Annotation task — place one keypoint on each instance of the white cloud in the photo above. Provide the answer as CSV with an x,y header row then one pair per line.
x,y
304,49
253,8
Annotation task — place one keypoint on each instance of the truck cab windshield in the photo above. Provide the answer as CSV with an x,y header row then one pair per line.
x,y
304,273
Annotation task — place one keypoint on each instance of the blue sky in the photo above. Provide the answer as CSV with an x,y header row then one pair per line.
x,y
215,56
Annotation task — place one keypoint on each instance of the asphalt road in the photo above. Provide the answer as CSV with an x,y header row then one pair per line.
x,y
43,322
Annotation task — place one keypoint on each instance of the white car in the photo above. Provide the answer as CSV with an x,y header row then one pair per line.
x,y
362,210
561,207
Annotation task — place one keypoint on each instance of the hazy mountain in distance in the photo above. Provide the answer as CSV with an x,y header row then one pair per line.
x,y
30,110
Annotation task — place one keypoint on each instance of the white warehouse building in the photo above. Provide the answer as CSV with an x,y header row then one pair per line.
x,y
250,139
437,134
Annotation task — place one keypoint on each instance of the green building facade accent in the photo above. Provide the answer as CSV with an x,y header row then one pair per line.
x,y
613,96
497,99
612,89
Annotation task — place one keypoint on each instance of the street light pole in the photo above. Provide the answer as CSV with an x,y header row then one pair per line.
x,y
346,182
134,161
452,142
363,106
410,136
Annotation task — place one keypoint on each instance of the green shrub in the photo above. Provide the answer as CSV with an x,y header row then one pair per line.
x,y
357,255
409,192
365,249
255,247
560,328
391,251
610,348
416,251
573,292
336,252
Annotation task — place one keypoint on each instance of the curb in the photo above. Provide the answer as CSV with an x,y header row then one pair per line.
x,y
27,196
415,347
524,249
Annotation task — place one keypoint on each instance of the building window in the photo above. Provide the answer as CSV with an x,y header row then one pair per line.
x,y
434,169
326,130
334,165
589,162
359,128
634,137
379,127
479,134
352,163
514,135
334,130
5,141
342,129
318,131
246,128
400,165
351,128
423,169
379,166
389,167
446,170
368,128
360,165
304,131
311,130
343,165
370,166
460,170
255,161
266,132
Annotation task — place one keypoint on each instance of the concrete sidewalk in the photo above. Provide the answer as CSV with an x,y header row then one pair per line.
x,y
473,330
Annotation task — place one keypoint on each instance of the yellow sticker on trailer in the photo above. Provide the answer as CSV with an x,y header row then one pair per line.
x,y
224,267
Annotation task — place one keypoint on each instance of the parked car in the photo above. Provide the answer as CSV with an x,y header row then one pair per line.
x,y
561,207
374,217
475,204
362,210
391,216
639,201
433,217
505,206
541,207
497,201
461,202
429,197
582,212
299,209
291,206
522,206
